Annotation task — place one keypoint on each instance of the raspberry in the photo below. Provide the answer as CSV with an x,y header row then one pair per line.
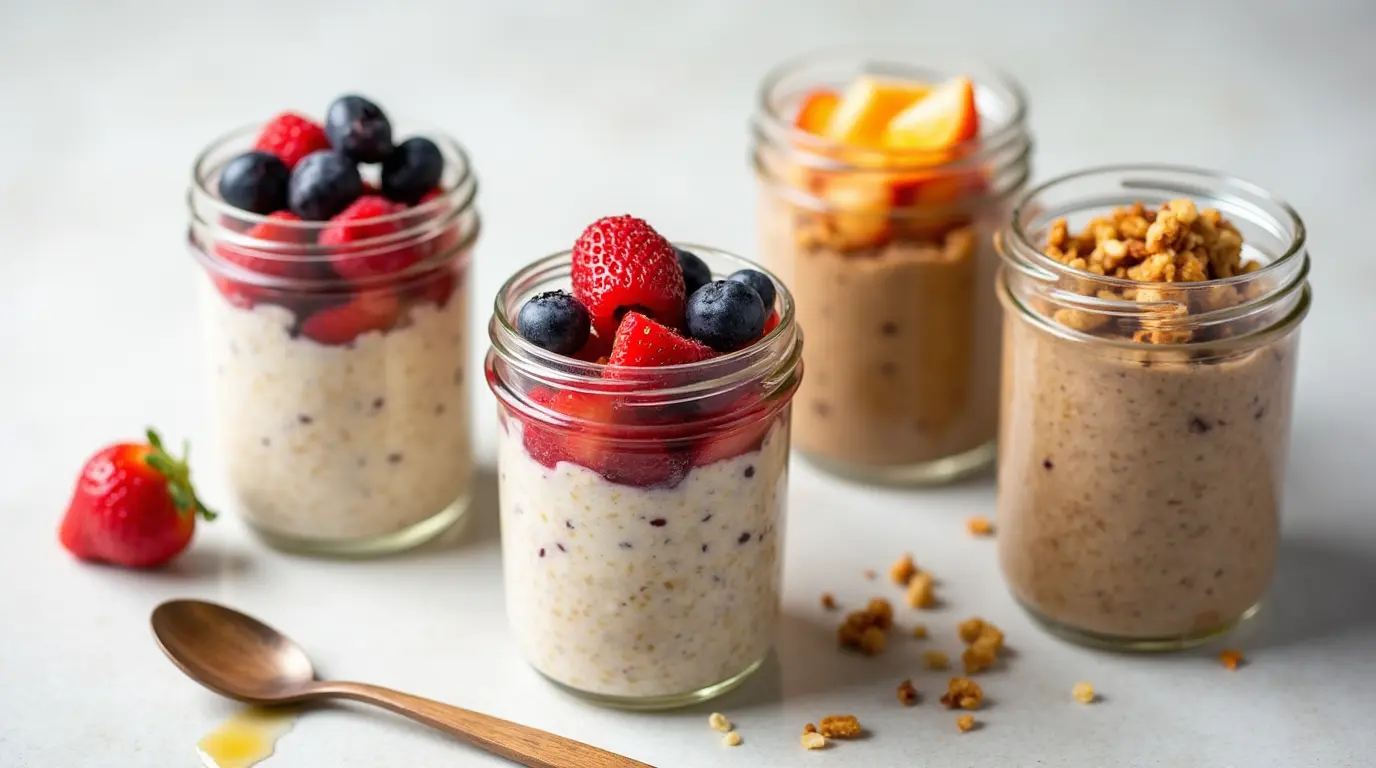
x,y
621,263
350,235
341,324
291,137
266,261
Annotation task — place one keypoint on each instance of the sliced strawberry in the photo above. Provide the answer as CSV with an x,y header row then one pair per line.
x,y
620,263
366,312
741,436
266,261
644,468
352,235
543,443
241,295
291,137
641,342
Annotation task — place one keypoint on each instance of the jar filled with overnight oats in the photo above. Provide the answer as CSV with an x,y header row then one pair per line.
x,y
335,350
1152,323
882,181
642,509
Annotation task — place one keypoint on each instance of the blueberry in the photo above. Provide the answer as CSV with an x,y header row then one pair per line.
x,y
695,271
761,282
725,315
554,321
358,128
412,170
323,184
256,182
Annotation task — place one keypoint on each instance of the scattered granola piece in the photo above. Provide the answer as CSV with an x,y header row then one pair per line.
x,y
962,693
731,739
965,723
907,693
921,592
881,613
809,728
979,525
828,602
719,722
813,740
839,726
970,629
920,631
873,641
936,660
1232,658
978,657
870,575
902,570
1083,693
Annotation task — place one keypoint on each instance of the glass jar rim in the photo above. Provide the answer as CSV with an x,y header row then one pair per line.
x,y
775,128
730,369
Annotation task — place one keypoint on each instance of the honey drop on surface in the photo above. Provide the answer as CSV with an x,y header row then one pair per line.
x,y
246,738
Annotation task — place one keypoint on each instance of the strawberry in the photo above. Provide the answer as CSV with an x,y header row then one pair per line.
x,y
134,506
435,287
641,342
594,350
375,310
241,295
351,232
590,442
741,436
621,263
291,137
265,261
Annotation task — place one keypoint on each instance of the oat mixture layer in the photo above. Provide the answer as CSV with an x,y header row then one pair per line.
x,y
902,342
340,442
643,592
1139,489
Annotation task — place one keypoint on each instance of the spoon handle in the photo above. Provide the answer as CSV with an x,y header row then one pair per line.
x,y
520,743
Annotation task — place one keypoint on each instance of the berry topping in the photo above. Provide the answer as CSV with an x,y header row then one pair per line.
x,y
554,321
365,312
352,235
758,280
725,315
642,342
323,184
696,273
358,128
412,171
261,259
291,137
255,182
621,263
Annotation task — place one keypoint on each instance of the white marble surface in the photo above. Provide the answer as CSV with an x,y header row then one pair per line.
x,y
575,110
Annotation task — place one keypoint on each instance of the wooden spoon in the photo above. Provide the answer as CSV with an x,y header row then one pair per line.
x,y
240,657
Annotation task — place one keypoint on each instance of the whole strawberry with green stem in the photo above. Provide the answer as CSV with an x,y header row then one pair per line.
x,y
134,505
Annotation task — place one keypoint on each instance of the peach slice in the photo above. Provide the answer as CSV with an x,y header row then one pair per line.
x,y
869,105
946,117
815,113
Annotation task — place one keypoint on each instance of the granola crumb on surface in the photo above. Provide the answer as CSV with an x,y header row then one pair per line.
x,y
979,525
881,612
902,570
809,728
1083,693
907,693
719,722
921,592
978,657
828,601
813,740
920,631
962,693
936,660
731,739
965,723
970,629
873,641
1232,658
839,726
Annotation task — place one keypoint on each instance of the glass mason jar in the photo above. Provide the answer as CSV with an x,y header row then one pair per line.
x,y
642,509
890,258
1145,424
340,406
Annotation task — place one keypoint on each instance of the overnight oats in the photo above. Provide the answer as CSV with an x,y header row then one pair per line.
x,y
643,392
334,317
1148,374
882,182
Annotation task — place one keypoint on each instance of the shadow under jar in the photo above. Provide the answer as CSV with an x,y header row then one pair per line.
x,y
1145,424
642,509
340,406
890,257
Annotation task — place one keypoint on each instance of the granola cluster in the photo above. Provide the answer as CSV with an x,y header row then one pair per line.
x,y
1176,244
962,693
866,631
839,726
921,586
983,643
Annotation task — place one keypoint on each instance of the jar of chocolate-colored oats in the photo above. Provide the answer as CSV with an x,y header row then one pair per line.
x,y
1150,336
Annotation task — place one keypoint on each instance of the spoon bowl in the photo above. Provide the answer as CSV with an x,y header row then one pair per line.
x,y
239,656
231,653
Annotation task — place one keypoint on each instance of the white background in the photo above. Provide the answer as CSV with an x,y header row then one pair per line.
x,y
574,110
